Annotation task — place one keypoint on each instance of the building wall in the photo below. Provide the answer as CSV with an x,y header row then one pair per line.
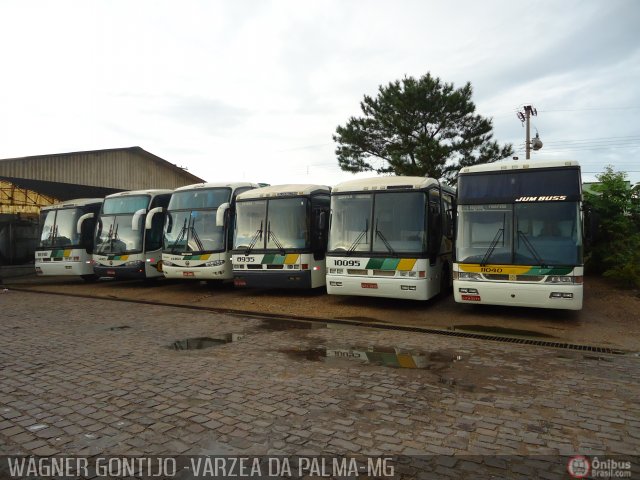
x,y
122,169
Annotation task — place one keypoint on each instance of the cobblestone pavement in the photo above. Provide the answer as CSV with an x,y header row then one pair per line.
x,y
86,377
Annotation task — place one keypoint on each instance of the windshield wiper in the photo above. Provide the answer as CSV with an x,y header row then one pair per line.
x,y
384,239
531,248
195,236
254,240
179,238
275,239
492,247
360,236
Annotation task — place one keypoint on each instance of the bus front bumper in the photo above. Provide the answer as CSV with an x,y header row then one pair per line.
x,y
548,295
121,271
298,280
63,268
197,273
404,288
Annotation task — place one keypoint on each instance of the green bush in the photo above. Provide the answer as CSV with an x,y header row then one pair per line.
x,y
615,247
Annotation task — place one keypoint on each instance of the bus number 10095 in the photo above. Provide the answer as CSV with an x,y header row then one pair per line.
x,y
347,263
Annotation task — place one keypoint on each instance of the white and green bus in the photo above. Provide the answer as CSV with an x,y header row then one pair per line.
x,y
519,234
66,238
280,237
128,238
198,231
390,237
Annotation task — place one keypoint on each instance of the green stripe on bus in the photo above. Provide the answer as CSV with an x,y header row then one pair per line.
x,y
375,263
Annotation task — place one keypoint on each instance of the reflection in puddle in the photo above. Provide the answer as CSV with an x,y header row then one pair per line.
x,y
198,343
121,327
388,357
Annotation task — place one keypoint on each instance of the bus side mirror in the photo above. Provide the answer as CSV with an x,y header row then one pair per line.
x,y
135,220
449,224
84,217
220,213
149,219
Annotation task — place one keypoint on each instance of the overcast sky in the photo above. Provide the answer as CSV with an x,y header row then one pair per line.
x,y
253,90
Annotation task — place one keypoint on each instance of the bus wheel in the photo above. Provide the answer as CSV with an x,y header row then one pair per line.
x,y
90,278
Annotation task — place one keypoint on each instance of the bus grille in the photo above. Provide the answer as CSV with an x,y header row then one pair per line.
x,y
384,273
357,271
515,278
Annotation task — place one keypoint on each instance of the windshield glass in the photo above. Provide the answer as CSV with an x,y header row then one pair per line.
x,y
199,199
249,228
126,204
288,223
59,228
350,222
484,233
193,231
548,234
399,222
541,234
115,234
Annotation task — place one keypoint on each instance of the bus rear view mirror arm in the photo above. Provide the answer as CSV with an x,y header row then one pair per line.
x,y
84,217
222,209
152,212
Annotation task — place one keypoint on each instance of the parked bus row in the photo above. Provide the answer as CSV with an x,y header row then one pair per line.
x,y
510,235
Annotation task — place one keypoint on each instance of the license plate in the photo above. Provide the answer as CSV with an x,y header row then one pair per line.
x,y
369,285
239,283
472,298
111,273
188,274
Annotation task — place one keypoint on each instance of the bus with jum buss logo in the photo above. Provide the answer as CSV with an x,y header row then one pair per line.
x,y
128,238
390,237
519,236
280,237
66,238
198,231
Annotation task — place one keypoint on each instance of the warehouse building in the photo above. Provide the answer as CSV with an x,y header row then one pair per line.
x,y
28,183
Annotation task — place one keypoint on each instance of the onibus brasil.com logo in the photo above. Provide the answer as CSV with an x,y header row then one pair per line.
x,y
581,467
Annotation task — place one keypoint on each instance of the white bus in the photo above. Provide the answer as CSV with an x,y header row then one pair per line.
x,y
390,237
519,234
66,238
128,240
280,237
198,229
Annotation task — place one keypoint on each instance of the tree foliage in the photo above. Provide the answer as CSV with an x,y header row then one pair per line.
x,y
615,207
420,127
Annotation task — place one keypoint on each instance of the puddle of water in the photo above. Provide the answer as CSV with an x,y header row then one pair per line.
x,y
383,356
198,343
280,325
501,330
121,327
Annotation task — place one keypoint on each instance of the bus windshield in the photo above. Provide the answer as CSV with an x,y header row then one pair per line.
x,y
394,223
191,221
274,224
541,233
59,228
116,234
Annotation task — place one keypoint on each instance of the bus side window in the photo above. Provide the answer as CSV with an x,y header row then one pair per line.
x,y
448,216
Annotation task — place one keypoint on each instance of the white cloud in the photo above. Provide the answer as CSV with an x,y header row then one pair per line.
x,y
254,90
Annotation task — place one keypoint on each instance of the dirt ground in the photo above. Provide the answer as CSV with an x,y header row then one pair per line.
x,y
610,316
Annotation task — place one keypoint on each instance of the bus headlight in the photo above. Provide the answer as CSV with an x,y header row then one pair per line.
x,y
214,263
558,279
469,276
167,263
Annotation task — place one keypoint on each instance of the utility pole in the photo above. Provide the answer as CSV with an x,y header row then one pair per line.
x,y
524,116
